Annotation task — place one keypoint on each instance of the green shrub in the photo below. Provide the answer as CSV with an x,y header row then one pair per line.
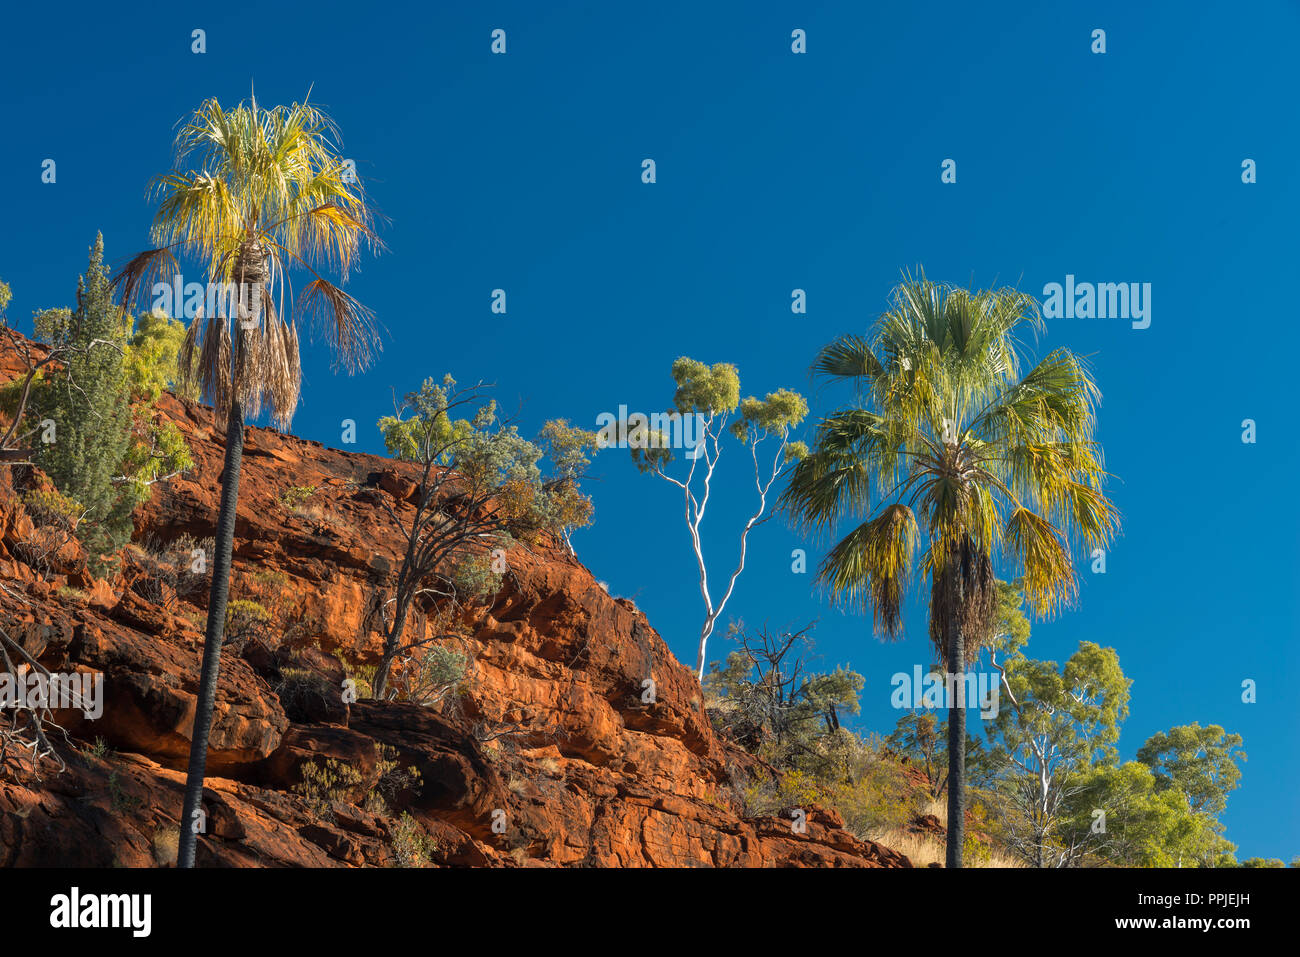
x,y
412,847
326,782
296,495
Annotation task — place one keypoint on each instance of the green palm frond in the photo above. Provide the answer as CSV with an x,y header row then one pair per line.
x,y
255,193
853,449
869,567
988,462
848,357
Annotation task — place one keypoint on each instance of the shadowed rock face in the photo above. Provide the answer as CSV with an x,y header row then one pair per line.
x,y
551,740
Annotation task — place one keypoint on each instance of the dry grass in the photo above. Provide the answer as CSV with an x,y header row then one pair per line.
x,y
923,849
166,842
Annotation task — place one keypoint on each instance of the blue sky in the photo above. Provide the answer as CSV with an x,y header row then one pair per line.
x,y
779,171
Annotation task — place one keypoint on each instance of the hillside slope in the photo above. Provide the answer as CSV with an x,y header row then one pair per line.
x,y
550,739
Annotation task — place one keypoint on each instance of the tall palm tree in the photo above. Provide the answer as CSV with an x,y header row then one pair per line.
x,y
253,195
949,446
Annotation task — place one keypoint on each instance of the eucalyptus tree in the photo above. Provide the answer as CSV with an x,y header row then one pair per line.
x,y
948,446
254,195
706,409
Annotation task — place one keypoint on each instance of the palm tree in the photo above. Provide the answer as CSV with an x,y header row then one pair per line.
x,y
949,446
253,194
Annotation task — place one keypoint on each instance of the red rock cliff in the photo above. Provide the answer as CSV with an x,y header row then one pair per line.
x,y
550,740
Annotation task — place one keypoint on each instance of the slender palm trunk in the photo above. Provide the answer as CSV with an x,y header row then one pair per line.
x,y
225,540
956,742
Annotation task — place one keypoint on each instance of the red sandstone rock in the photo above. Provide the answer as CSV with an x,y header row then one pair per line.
x,y
551,738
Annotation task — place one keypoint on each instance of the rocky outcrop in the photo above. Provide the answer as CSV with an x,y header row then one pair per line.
x,y
548,756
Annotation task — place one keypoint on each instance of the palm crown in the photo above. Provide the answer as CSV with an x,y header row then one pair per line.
x,y
949,446
255,193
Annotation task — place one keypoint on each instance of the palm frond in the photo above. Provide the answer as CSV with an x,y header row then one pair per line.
x,y
869,567
347,325
1048,580
141,272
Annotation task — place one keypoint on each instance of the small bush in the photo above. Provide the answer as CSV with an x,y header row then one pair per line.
x,y
244,620
440,674
412,846
166,844
296,495
473,577
50,507
327,782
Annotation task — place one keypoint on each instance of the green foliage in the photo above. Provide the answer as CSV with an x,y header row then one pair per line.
x,y
764,699
1077,709
1065,799
412,846
1144,825
109,444
56,520
777,413
472,577
426,430
120,800
441,672
948,447
714,393
705,389
158,451
564,507
245,619
326,782
491,456
296,495
705,400
52,507
870,792
88,402
11,392
53,326
922,738
569,448
1200,762
393,777
151,357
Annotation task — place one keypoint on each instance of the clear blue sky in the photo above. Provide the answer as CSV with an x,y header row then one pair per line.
x,y
778,171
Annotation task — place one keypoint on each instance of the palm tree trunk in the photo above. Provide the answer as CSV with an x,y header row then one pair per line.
x,y
956,743
225,540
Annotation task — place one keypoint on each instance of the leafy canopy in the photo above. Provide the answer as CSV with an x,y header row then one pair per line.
x,y
951,447
254,194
